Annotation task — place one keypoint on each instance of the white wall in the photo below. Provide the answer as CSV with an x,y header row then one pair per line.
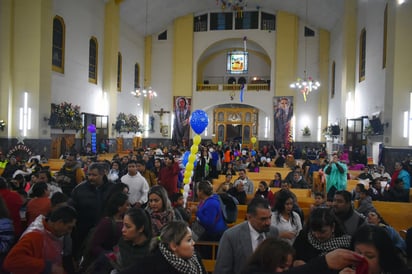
x,y
372,89
83,20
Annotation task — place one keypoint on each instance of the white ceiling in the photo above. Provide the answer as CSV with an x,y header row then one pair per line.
x,y
321,13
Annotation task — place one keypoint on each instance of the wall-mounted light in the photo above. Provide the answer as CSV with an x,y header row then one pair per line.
x,y
319,129
410,120
405,124
348,105
25,116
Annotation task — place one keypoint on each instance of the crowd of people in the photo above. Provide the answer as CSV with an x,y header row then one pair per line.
x,y
129,215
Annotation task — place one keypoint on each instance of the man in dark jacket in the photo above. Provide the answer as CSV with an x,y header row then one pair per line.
x,y
89,199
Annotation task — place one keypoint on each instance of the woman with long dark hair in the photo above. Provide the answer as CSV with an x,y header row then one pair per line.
x,y
172,252
321,234
136,236
284,218
374,243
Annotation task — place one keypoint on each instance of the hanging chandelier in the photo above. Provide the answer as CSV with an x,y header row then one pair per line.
x,y
148,93
306,84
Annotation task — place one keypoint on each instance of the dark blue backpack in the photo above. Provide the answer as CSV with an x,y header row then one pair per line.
x,y
228,203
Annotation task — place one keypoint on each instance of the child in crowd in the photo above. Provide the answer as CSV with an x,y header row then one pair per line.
x,y
365,203
356,192
180,211
319,201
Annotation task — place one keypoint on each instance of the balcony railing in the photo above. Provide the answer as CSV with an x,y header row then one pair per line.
x,y
231,87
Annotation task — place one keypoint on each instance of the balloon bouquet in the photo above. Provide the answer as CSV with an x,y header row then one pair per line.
x,y
198,121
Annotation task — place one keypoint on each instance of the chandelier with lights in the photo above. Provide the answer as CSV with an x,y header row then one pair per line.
x,y
145,93
306,84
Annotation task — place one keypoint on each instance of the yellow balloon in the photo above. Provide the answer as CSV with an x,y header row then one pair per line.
x,y
197,139
188,174
253,139
186,180
189,167
194,149
192,158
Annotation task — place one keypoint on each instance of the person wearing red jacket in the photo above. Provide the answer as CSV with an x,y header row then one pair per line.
x,y
13,202
40,248
168,175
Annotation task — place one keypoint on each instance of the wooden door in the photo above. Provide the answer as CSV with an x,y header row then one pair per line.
x,y
61,144
237,123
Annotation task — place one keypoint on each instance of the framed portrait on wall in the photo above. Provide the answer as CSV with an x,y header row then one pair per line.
x,y
283,113
181,124
165,130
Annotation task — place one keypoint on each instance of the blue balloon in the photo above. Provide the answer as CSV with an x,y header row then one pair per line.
x,y
199,121
253,152
185,158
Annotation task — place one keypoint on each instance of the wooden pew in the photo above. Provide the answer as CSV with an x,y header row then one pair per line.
x,y
208,253
299,192
354,173
54,164
396,214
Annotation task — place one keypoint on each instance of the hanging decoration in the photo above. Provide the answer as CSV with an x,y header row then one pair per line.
x,y
92,129
198,121
306,84
235,5
242,89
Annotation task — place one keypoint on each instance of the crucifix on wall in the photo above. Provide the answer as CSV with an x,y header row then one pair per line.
x,y
163,128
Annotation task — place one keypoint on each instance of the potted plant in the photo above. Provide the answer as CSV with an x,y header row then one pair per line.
x,y
306,131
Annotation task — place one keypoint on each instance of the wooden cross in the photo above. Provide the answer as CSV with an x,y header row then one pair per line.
x,y
161,112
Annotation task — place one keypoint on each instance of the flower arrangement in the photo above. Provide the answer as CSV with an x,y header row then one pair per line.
x,y
306,131
127,123
65,116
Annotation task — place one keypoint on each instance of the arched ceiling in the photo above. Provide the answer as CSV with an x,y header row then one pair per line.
x,y
160,13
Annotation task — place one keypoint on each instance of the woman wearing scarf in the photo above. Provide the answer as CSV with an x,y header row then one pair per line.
x,y
265,192
172,252
321,235
159,208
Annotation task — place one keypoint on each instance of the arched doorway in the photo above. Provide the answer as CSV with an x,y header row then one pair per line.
x,y
235,123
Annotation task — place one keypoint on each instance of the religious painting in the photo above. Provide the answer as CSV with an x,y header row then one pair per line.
x,y
165,130
181,124
283,113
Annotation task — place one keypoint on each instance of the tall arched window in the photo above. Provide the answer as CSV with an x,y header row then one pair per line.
x,y
136,76
59,32
93,58
119,71
332,89
362,55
